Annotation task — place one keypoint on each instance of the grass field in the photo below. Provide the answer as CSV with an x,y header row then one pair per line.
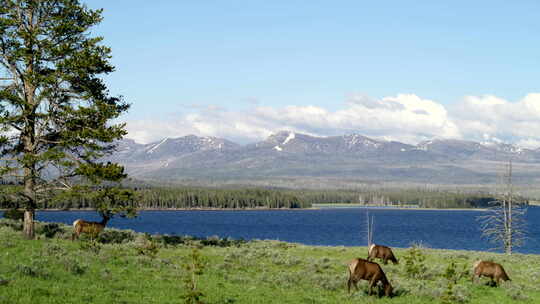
x,y
144,270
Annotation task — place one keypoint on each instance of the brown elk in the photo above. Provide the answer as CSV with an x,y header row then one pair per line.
x,y
381,252
491,270
91,228
360,269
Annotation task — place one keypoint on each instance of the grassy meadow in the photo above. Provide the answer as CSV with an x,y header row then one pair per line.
x,y
127,267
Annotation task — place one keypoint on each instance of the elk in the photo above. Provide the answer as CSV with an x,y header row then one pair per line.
x,y
491,270
381,252
91,228
360,269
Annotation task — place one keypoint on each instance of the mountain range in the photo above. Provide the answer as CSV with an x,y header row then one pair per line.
x,y
349,157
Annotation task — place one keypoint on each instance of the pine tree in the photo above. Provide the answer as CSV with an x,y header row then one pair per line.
x,y
55,110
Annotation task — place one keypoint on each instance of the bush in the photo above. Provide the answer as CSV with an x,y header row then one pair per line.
x,y
209,241
8,237
114,236
13,224
14,214
48,229
193,268
73,266
515,291
414,263
145,245
54,250
87,244
36,268
454,273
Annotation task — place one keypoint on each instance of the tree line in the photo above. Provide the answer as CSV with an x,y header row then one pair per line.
x,y
170,198
241,198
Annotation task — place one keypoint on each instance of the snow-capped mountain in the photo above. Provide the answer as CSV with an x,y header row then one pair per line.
x,y
294,154
170,148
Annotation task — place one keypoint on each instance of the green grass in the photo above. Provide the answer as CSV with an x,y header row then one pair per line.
x,y
60,271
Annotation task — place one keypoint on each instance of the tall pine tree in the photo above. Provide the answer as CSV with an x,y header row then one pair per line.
x,y
55,110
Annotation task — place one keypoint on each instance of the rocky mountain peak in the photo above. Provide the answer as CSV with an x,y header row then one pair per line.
x,y
288,153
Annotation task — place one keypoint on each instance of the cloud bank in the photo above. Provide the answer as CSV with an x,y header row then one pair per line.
x,y
406,117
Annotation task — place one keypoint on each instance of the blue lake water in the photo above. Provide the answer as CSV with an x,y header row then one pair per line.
x,y
340,226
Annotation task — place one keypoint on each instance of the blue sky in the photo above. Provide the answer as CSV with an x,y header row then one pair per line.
x,y
221,68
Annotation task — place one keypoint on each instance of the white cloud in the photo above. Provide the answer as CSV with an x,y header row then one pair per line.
x,y
516,122
405,117
529,143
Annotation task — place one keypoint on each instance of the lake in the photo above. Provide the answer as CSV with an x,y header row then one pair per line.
x,y
329,226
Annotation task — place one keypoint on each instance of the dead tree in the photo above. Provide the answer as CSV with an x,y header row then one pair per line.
x,y
504,224
369,231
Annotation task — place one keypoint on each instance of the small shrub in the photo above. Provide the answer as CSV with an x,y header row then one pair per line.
x,y
145,245
73,266
193,267
211,241
331,283
515,291
282,245
114,236
448,296
64,235
12,224
454,272
452,292
89,244
145,261
36,268
49,230
8,237
461,294
53,249
414,263
106,274
7,243
14,214
174,240
40,292
286,260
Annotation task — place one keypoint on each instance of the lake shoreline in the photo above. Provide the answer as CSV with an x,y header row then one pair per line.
x,y
375,207
323,207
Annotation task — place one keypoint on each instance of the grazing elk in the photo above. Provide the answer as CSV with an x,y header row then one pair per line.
x,y
491,270
91,228
381,252
360,269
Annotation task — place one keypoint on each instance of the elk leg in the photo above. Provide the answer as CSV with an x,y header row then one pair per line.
x,y
371,283
353,283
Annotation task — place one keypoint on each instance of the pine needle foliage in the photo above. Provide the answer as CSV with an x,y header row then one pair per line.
x,y
56,113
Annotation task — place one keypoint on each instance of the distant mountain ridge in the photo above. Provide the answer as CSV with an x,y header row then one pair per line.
x,y
290,154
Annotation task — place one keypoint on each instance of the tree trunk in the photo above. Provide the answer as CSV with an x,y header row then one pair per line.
x,y
28,228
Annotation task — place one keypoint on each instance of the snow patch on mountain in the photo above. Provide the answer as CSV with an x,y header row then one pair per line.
x,y
152,149
355,139
289,138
